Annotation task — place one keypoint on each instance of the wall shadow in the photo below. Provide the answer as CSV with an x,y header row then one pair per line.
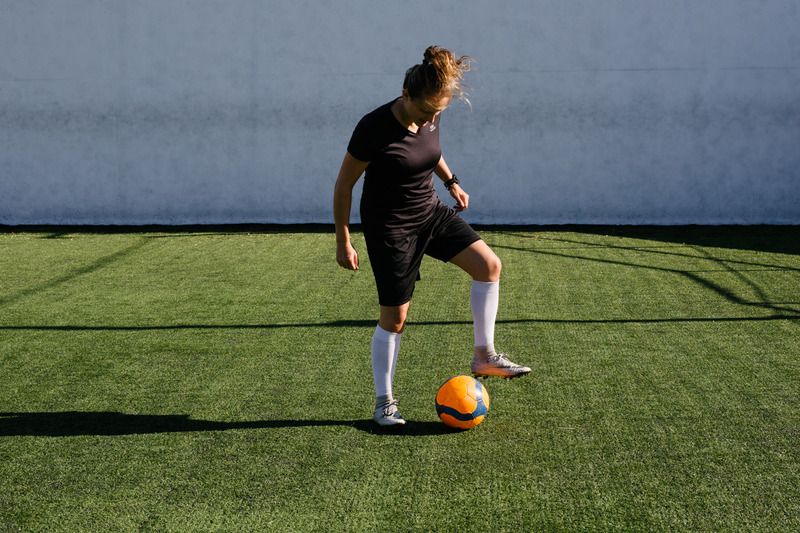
x,y
94,266
78,423
767,238
188,230
762,238
683,241
692,243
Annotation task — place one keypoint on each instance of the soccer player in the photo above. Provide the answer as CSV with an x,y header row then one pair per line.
x,y
397,145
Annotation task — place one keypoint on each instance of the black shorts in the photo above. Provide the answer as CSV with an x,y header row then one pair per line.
x,y
397,255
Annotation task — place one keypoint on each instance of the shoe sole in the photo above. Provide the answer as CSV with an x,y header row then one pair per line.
x,y
487,376
389,426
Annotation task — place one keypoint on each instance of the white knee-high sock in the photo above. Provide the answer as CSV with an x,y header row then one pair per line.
x,y
397,340
484,299
385,345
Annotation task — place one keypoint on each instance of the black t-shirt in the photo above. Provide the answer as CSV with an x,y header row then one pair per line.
x,y
398,185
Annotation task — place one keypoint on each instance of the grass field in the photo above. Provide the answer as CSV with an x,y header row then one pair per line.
x,y
219,379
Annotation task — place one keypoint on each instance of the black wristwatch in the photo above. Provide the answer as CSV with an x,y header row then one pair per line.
x,y
452,181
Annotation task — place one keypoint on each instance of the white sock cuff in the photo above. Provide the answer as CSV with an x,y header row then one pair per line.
x,y
385,336
485,287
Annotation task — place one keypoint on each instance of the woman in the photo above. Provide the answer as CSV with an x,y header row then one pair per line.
x,y
397,145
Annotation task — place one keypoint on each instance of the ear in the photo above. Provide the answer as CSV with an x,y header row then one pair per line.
x,y
405,94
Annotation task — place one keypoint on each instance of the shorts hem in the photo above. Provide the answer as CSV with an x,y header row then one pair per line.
x,y
393,305
461,250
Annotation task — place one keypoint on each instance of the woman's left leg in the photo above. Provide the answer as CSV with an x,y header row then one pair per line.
x,y
483,265
480,262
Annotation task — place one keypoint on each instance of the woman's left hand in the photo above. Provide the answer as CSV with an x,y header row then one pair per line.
x,y
462,198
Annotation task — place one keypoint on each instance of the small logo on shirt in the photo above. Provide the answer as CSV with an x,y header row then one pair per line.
x,y
432,127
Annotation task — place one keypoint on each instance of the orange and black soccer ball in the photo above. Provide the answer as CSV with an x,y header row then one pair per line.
x,y
462,402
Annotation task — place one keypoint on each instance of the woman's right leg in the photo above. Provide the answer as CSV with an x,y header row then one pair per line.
x,y
385,348
395,260
393,319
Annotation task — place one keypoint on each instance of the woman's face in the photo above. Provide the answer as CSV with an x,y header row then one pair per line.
x,y
424,109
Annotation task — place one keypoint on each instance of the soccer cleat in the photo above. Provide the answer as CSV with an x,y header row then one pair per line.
x,y
387,415
486,364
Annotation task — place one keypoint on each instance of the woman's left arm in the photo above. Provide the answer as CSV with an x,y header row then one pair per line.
x,y
461,197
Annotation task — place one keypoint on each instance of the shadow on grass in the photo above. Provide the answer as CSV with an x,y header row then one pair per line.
x,y
789,314
77,423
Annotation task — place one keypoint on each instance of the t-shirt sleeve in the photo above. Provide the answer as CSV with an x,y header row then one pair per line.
x,y
362,145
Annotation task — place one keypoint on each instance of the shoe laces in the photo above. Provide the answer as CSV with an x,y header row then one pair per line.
x,y
390,409
501,358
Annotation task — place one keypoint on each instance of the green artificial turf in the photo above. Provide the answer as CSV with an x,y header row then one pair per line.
x,y
219,379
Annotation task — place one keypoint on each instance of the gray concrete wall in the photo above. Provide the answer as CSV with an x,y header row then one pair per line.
x,y
217,111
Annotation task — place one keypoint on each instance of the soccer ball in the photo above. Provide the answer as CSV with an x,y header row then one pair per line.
x,y
462,402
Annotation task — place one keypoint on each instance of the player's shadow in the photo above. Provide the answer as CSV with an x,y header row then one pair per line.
x,y
77,423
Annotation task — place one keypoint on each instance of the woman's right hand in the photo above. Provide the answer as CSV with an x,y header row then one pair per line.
x,y
349,173
346,256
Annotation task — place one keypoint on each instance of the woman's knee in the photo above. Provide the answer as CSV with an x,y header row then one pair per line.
x,y
480,262
493,267
393,319
490,268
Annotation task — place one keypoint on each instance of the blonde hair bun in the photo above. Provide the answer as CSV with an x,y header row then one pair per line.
x,y
440,71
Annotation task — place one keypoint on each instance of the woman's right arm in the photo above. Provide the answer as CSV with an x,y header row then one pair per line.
x,y
349,173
